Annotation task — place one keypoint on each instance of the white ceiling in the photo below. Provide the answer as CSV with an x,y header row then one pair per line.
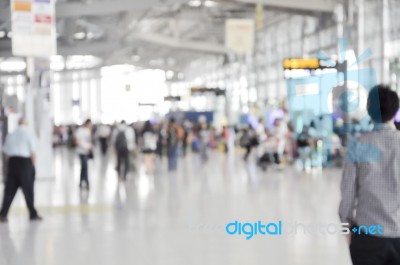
x,y
166,34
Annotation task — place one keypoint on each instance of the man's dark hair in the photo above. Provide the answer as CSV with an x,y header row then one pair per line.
x,y
123,122
383,104
87,122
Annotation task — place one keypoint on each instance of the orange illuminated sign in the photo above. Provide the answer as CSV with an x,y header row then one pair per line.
x,y
300,63
22,6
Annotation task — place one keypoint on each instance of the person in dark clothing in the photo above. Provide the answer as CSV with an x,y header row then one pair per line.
x,y
160,140
20,148
248,141
124,142
173,140
186,130
104,133
303,147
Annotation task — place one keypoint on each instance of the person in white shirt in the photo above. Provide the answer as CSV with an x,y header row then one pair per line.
x,y
19,150
84,148
124,143
149,148
280,132
104,133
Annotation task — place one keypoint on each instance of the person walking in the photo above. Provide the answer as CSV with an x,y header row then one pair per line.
x,y
124,143
150,140
225,138
84,147
173,139
104,133
370,186
160,140
261,135
279,133
204,139
248,141
186,126
20,151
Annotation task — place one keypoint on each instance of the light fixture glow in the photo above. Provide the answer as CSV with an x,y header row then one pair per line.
x,y
209,3
136,58
12,66
194,3
90,35
79,35
170,74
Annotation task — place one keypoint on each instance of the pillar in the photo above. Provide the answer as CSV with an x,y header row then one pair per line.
x,y
38,114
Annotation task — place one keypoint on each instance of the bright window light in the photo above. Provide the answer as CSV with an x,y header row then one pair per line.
x,y
194,3
170,74
79,35
12,65
147,86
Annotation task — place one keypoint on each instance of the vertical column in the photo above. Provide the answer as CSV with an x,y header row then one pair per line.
x,y
361,27
385,38
38,111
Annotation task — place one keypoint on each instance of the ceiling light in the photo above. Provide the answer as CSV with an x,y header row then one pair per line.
x,y
194,3
57,66
79,35
136,58
2,34
9,35
209,3
170,74
90,35
181,76
157,62
12,65
171,62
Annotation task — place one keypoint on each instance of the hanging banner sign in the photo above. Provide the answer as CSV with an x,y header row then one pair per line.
x,y
33,28
260,16
240,35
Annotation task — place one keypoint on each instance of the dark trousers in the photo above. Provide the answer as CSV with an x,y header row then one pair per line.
x,y
103,145
370,250
248,151
172,158
184,146
123,163
21,173
84,169
277,158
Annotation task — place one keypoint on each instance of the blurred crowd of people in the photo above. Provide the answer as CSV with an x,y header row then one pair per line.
x,y
277,145
150,140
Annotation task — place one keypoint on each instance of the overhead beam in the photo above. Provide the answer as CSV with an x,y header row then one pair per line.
x,y
196,46
90,48
100,8
84,48
308,5
102,48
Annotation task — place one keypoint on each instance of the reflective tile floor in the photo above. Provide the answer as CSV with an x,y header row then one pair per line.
x,y
174,218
